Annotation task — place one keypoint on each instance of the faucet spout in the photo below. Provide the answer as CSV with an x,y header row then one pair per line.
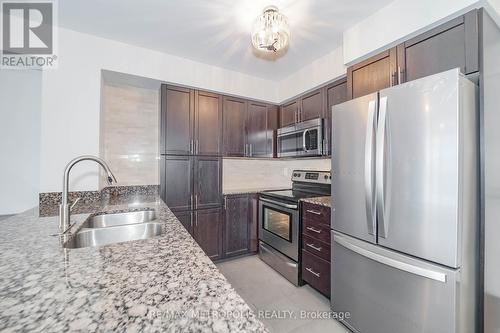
x,y
64,208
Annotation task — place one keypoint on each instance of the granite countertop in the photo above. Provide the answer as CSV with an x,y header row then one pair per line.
x,y
252,190
323,201
166,283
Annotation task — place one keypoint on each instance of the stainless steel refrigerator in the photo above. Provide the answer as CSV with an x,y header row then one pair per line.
x,y
405,207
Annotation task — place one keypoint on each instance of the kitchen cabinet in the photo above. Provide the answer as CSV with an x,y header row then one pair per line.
x,y
177,183
372,74
208,124
207,182
191,122
309,106
450,45
313,105
234,135
191,182
336,93
248,128
186,219
316,246
236,226
261,124
240,224
207,231
289,113
177,105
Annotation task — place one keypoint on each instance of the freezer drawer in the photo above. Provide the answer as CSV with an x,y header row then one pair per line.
x,y
387,292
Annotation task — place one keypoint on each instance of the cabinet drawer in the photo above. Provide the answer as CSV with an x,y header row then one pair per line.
x,y
316,230
316,272
319,248
317,213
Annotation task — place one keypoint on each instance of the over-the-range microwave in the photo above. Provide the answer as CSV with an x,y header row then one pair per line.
x,y
301,139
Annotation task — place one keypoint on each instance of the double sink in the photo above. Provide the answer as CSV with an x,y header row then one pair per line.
x,y
115,228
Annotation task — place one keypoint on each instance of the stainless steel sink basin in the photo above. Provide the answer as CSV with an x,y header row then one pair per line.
x,y
111,220
116,234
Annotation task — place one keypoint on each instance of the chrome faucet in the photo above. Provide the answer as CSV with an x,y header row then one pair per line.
x,y
64,208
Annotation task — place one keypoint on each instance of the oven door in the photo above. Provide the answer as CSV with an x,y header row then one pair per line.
x,y
279,226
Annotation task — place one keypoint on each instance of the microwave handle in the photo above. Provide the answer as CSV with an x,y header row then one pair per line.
x,y
304,143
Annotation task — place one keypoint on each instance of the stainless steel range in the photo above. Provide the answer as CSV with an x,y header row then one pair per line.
x,y
279,221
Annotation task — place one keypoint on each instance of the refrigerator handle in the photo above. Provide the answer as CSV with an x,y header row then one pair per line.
x,y
405,267
369,197
380,167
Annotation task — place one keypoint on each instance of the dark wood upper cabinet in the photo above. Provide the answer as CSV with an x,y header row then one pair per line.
x,y
336,93
257,130
208,124
207,182
289,113
450,45
207,231
312,105
372,74
178,182
177,119
234,132
236,225
272,126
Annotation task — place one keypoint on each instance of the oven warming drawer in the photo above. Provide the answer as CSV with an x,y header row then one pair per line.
x,y
284,265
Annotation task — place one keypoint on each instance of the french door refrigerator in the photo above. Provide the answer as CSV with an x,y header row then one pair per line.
x,y
405,208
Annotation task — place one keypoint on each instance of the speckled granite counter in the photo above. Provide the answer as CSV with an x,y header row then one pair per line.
x,y
251,190
323,201
165,283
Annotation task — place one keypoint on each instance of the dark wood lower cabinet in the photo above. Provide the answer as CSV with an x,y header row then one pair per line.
x,y
240,224
186,219
207,231
316,272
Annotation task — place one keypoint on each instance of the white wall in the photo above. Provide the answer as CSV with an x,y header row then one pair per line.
x,y
398,21
71,97
320,71
20,98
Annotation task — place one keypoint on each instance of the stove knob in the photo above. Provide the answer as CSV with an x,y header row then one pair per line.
x,y
326,176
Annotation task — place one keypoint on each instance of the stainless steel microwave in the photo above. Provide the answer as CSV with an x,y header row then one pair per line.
x,y
302,139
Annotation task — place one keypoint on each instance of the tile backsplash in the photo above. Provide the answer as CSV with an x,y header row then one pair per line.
x,y
129,131
266,173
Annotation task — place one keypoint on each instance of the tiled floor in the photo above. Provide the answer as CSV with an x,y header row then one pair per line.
x,y
270,295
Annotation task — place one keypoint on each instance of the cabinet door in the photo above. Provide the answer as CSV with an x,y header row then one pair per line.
x,y
208,124
207,182
373,74
289,113
186,219
236,225
208,231
234,133
253,222
177,120
451,45
313,105
257,129
178,182
336,93
272,126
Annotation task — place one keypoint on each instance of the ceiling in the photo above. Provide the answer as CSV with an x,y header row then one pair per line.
x,y
217,32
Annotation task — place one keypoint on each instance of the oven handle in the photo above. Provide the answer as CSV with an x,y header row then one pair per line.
x,y
279,203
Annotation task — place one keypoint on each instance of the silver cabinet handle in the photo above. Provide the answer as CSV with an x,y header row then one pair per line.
x,y
369,175
313,212
317,248
250,149
225,203
424,272
379,168
399,74
191,143
312,272
313,230
197,146
191,201
196,200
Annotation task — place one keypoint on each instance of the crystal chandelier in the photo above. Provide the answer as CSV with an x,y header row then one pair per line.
x,y
270,31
